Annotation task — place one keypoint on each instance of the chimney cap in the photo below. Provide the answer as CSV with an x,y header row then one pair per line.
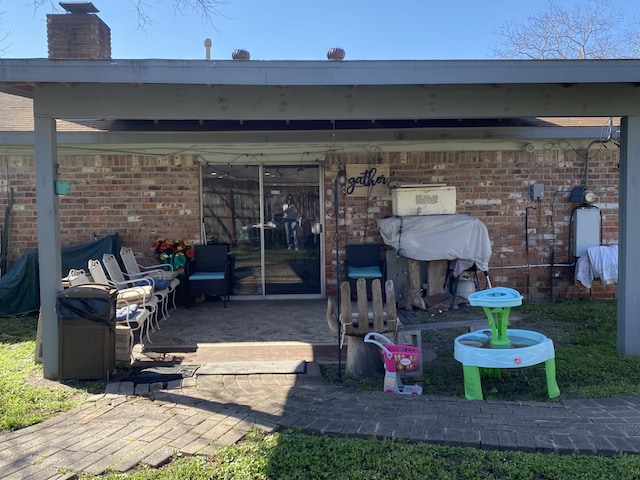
x,y
79,7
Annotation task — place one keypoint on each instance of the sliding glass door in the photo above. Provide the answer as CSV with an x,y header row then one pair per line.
x,y
270,216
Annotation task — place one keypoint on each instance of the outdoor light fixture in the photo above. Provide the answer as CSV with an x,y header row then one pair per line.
x,y
338,185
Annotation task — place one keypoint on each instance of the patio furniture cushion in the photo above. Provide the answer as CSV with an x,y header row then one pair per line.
x,y
364,272
126,312
131,295
207,276
158,285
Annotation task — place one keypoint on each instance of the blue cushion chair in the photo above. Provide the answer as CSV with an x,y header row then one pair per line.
x,y
210,272
364,261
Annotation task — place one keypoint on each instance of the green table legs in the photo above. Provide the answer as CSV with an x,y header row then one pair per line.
x,y
473,383
552,384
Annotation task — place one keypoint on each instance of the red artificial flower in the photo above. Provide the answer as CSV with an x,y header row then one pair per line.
x,y
165,248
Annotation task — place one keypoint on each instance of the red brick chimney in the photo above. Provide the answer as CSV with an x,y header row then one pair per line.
x,y
78,34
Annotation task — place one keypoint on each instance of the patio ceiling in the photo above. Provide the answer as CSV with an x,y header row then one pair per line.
x,y
306,146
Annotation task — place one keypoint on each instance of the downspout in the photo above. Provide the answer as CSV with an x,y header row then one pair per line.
x,y
553,243
526,246
553,255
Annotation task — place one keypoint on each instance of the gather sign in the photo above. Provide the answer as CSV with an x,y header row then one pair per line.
x,y
367,181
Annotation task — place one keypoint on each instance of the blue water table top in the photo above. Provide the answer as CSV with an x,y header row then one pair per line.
x,y
496,303
496,297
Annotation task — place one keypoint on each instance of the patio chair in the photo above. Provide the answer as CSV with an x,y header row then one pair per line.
x,y
363,261
136,318
77,277
116,274
141,295
135,270
211,272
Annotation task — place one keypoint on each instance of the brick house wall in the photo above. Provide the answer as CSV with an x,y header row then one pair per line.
x,y
143,197
493,186
140,197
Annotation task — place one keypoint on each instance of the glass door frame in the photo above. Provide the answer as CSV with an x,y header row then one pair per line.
x,y
321,240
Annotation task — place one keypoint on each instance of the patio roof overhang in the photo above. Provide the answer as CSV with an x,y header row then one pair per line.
x,y
311,90
325,96
355,90
302,146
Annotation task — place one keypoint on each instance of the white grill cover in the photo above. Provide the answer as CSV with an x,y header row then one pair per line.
x,y
438,237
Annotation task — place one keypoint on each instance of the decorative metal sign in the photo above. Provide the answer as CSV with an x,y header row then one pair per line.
x,y
367,181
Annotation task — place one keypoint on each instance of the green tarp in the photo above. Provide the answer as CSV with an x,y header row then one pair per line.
x,y
20,286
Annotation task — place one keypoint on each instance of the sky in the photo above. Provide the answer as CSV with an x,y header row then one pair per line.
x,y
290,29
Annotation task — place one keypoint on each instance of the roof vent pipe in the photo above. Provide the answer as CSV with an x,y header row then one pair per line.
x,y
207,49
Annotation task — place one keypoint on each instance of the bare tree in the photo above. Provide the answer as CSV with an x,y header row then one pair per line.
x,y
589,30
207,9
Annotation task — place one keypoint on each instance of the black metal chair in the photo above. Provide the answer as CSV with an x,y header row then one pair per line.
x,y
210,272
364,261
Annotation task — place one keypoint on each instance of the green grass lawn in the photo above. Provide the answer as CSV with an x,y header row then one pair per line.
x,y
587,362
584,334
293,455
26,397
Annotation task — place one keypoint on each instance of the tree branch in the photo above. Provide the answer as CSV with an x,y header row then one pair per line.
x,y
591,30
207,9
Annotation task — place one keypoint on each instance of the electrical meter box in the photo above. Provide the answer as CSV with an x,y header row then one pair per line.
x,y
424,200
585,230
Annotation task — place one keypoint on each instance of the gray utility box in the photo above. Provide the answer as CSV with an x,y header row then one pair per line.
x,y
86,332
585,230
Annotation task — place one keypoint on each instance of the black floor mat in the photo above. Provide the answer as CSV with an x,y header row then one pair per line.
x,y
161,374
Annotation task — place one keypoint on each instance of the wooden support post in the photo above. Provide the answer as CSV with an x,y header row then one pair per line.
x,y
413,295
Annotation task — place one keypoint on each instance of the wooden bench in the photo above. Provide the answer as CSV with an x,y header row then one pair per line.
x,y
363,359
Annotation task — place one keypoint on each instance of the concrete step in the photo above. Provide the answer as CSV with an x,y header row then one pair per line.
x,y
203,353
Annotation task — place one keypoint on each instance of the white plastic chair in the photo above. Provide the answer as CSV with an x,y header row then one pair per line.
x,y
135,270
141,295
118,276
77,277
136,318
